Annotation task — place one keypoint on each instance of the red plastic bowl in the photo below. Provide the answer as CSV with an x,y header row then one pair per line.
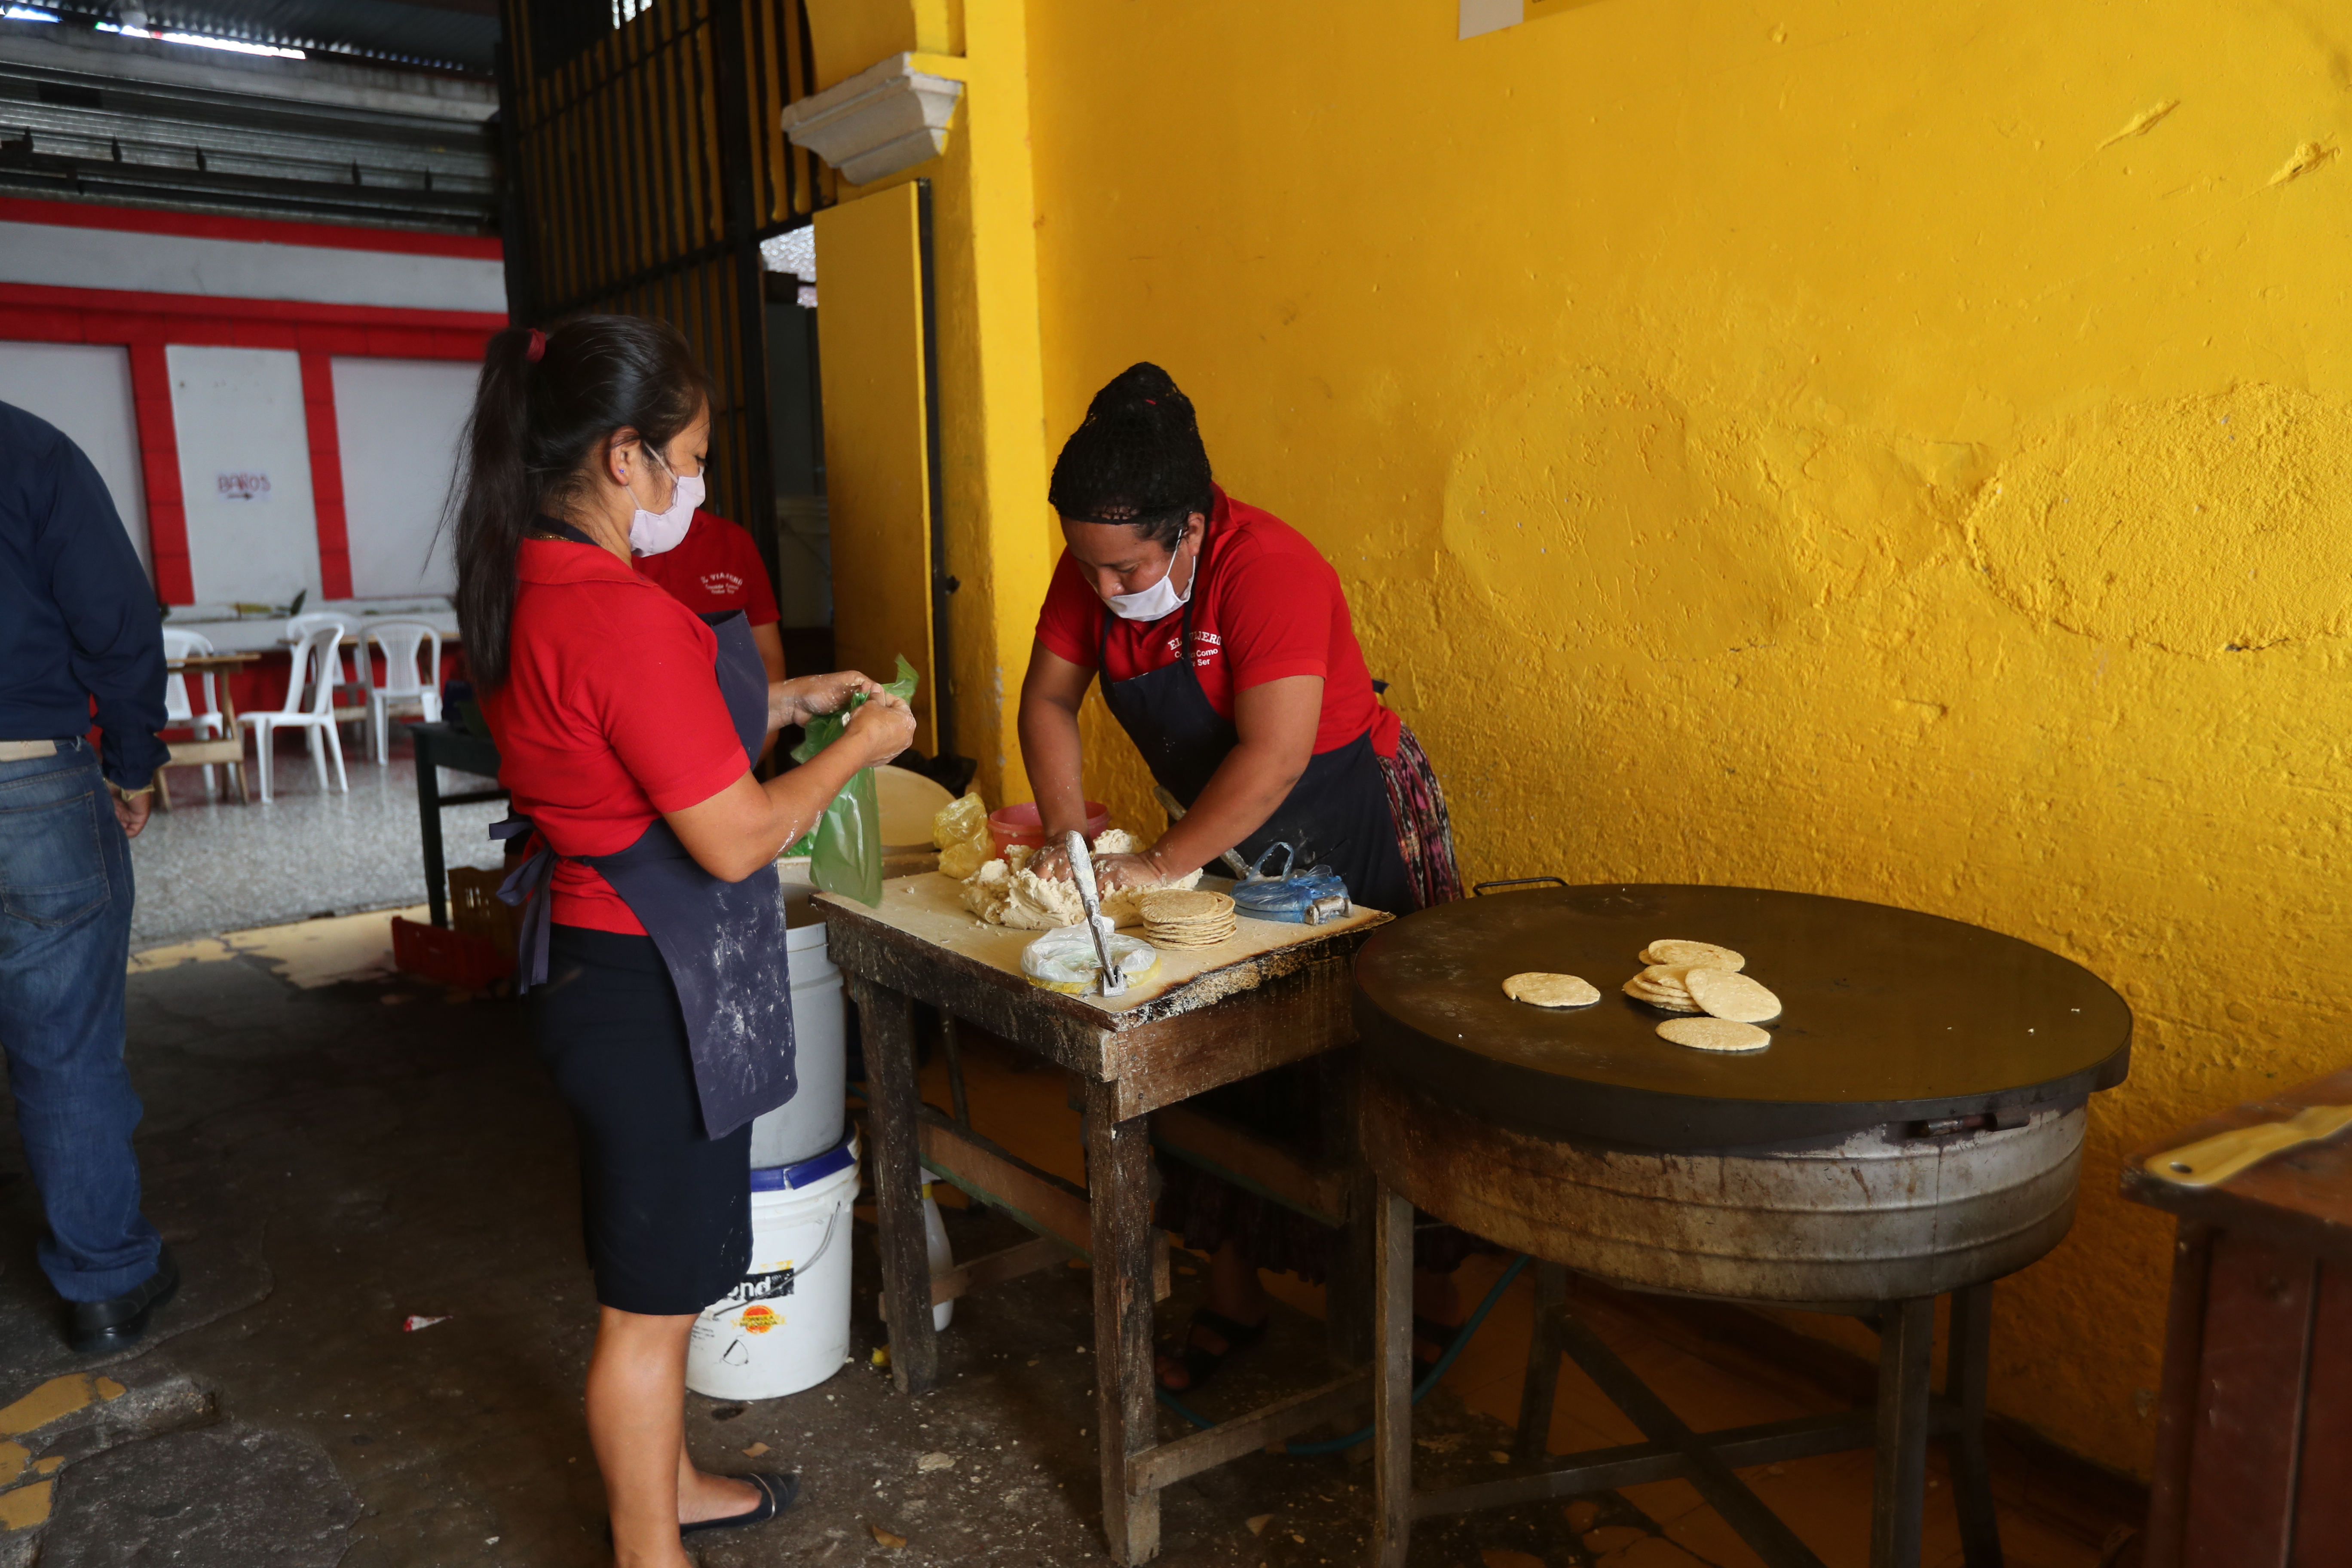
x,y
1022,824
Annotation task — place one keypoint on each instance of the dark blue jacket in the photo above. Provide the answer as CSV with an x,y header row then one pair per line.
x,y
77,618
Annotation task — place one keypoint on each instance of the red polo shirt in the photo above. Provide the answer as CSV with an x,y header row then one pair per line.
x,y
610,715
1266,606
716,569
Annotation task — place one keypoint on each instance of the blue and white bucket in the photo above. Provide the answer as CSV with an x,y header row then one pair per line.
x,y
786,1326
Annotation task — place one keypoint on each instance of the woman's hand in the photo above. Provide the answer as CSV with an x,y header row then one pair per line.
x,y
884,727
1114,872
798,702
1051,863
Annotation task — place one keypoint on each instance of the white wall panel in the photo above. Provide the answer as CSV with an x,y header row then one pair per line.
x,y
398,421
73,257
244,469
84,389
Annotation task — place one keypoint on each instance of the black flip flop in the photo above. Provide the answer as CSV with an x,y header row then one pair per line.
x,y
1200,1362
778,1492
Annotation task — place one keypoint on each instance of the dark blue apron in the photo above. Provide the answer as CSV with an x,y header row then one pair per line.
x,y
1338,810
723,942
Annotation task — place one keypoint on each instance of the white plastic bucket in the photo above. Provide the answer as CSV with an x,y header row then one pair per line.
x,y
810,1123
786,1326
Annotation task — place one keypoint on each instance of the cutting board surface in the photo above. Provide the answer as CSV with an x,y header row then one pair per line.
x,y
931,908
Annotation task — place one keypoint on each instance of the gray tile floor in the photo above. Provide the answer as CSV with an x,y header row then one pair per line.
x,y
213,865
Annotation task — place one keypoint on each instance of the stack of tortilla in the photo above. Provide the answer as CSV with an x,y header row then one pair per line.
x,y
1188,918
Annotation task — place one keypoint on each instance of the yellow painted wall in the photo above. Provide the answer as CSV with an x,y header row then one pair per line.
x,y
1877,450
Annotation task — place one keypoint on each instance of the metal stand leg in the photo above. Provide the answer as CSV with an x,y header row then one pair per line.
x,y
428,829
955,1100
1393,1380
1906,1337
887,1018
1542,1385
1968,1358
1118,1195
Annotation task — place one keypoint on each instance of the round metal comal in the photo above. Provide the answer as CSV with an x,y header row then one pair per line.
x,y
1889,1016
1915,1125
1837,1223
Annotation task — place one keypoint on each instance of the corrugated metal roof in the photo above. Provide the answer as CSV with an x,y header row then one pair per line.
x,y
447,35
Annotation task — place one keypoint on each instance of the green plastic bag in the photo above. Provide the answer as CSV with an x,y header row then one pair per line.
x,y
844,848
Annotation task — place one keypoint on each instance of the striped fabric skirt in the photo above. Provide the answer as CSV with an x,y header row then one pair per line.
x,y
1290,1103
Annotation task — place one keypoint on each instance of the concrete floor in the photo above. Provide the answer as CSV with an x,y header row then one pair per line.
x,y
330,1154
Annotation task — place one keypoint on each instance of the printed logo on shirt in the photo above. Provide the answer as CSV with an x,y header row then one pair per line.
x,y
721,585
1206,647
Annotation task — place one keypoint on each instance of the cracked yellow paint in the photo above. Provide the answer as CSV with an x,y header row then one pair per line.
x,y
1772,450
14,1458
26,1506
54,1400
50,1466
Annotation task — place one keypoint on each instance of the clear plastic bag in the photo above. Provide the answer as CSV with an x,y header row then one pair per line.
x,y
844,848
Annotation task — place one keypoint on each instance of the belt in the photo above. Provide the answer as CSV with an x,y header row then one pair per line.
x,y
20,751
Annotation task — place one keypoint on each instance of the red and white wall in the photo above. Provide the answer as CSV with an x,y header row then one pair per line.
x,y
274,406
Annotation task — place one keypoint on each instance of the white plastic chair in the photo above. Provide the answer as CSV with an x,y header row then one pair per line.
x,y
402,684
178,712
362,680
313,673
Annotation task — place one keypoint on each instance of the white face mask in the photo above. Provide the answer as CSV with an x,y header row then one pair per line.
x,y
1155,603
652,533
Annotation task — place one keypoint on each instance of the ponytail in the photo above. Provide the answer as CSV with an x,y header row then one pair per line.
x,y
542,411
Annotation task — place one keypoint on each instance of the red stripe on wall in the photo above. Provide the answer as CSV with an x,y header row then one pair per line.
x,y
144,324
260,230
159,467
327,475
212,320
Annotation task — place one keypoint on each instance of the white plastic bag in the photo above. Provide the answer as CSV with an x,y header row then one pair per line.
x,y
1064,959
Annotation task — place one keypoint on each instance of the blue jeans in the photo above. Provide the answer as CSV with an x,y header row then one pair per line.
x,y
65,941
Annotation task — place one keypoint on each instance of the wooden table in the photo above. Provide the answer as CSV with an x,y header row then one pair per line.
x,y
447,746
2253,1439
228,749
1276,994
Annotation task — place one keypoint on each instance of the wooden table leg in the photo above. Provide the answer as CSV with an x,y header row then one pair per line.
x,y
1393,1380
1966,1362
1906,1337
1118,1192
1347,1295
887,1021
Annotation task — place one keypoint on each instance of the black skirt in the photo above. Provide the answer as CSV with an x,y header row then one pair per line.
x,y
667,1211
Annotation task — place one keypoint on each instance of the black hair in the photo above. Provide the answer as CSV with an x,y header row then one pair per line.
x,y
536,426
1136,459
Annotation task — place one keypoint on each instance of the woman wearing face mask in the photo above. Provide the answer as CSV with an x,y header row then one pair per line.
x,y
652,948
1226,652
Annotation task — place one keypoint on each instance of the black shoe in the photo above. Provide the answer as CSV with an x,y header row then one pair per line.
x,y
95,1328
777,1494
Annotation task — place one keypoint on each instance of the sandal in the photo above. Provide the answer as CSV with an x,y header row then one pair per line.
x,y
1200,1362
777,1493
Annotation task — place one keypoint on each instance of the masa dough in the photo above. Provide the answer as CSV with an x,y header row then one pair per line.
x,y
1007,893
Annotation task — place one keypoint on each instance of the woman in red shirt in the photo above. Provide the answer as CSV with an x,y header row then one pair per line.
x,y
653,936
1226,652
